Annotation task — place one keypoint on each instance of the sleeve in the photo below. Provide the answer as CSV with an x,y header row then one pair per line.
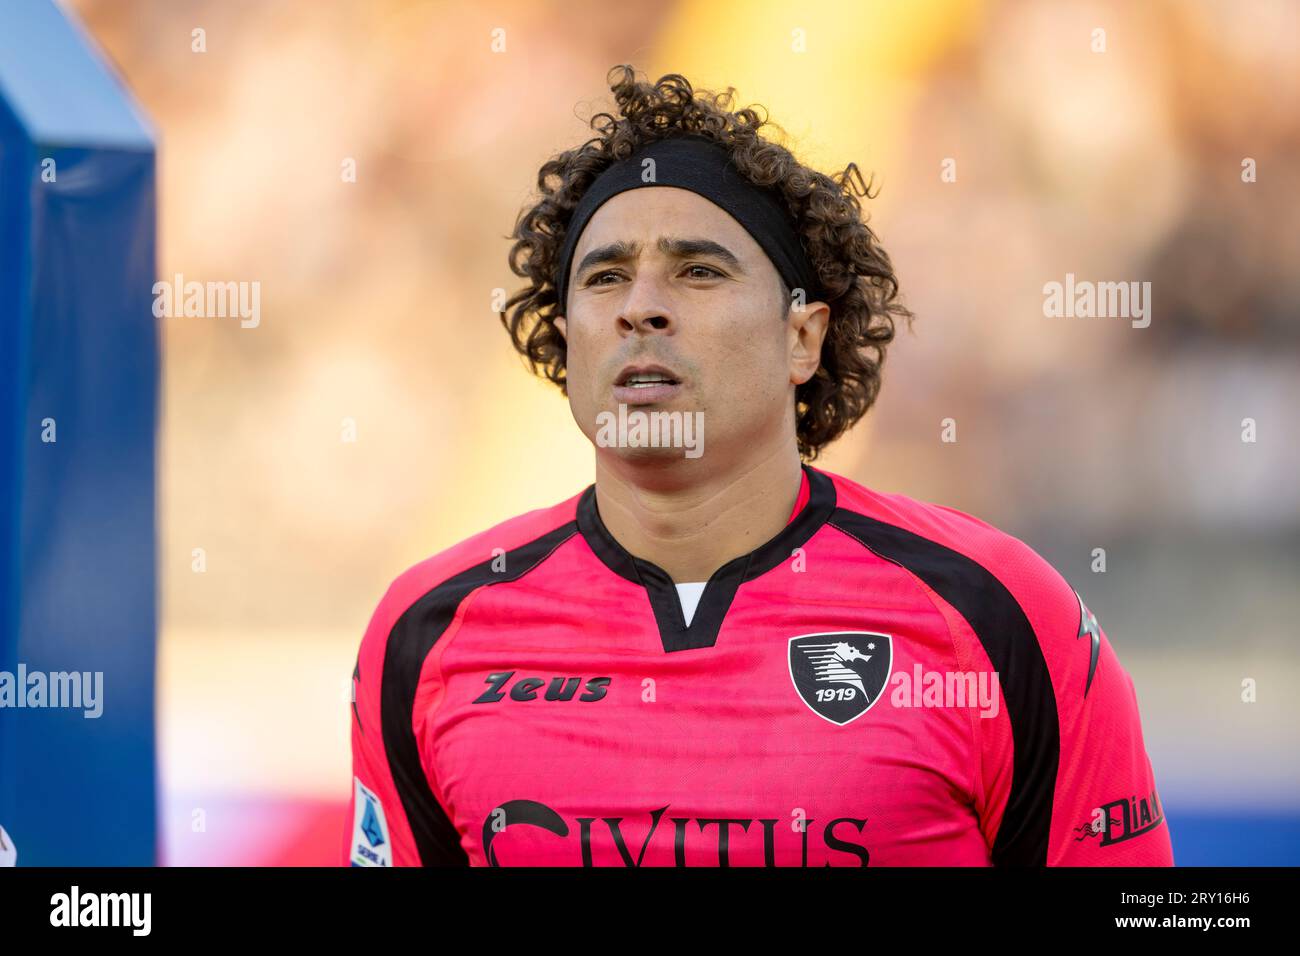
x,y
1106,810
1091,767
394,817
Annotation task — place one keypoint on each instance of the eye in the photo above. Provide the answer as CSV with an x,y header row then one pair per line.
x,y
696,265
595,278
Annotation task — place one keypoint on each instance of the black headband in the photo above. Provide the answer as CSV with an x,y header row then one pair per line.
x,y
704,167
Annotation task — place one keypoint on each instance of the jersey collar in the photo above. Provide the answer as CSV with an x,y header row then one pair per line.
x,y
722,586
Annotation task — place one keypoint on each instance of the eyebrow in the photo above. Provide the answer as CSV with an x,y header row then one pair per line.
x,y
676,247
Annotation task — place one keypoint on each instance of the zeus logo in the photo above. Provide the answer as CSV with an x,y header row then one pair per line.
x,y
1088,626
526,688
356,681
712,840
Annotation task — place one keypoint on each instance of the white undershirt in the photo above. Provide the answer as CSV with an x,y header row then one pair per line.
x,y
689,594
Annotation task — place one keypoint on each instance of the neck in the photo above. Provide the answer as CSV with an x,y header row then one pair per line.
x,y
691,522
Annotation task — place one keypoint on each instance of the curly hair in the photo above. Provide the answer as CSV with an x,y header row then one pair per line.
x,y
857,278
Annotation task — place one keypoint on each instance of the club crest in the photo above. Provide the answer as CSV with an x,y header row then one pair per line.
x,y
841,674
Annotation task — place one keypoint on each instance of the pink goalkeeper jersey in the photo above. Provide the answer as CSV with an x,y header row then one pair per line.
x,y
885,682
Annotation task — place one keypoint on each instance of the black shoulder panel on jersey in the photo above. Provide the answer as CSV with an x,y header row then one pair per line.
x,y
1002,627
409,643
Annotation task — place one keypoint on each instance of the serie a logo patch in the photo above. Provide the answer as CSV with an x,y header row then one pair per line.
x,y
370,843
841,674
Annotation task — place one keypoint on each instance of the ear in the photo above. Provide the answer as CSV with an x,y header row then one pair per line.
x,y
560,323
805,330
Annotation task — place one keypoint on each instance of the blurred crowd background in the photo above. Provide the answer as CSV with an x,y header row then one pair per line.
x,y
377,308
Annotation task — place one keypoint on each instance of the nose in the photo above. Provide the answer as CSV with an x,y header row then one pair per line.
x,y
644,323
644,310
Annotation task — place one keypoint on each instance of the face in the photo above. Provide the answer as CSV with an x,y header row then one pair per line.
x,y
666,284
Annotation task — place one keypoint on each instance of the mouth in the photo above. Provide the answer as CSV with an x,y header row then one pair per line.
x,y
645,385
643,376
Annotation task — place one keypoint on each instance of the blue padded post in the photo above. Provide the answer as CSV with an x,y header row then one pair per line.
x,y
79,364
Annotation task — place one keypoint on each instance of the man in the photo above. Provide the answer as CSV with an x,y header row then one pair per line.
x,y
717,654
